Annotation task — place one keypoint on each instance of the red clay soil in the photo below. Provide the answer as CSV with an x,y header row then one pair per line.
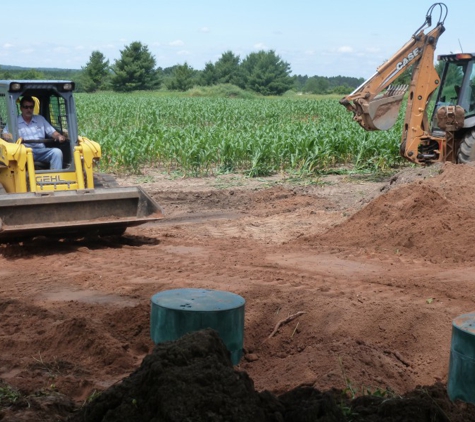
x,y
376,272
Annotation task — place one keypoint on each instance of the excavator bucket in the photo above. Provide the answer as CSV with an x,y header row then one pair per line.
x,y
383,111
73,214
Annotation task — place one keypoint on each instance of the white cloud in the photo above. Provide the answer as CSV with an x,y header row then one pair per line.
x,y
7,45
176,43
183,53
204,29
260,46
345,49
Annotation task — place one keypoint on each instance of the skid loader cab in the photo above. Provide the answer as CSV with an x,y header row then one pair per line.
x,y
72,201
55,102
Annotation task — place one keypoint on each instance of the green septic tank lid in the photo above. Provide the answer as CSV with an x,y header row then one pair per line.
x,y
198,300
180,311
466,323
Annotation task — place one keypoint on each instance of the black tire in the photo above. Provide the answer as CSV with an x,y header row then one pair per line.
x,y
104,181
466,153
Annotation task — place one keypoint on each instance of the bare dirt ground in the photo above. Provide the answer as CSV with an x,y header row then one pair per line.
x,y
377,269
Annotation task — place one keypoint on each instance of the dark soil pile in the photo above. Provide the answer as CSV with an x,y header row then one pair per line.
x,y
433,219
192,379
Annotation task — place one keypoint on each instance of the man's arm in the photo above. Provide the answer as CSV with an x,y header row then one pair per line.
x,y
57,136
51,131
6,135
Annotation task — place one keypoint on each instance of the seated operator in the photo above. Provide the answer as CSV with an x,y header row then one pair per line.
x,y
33,127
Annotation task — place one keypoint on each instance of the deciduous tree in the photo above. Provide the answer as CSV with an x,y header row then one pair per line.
x,y
316,85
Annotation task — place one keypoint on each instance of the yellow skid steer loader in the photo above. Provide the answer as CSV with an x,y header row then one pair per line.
x,y
71,201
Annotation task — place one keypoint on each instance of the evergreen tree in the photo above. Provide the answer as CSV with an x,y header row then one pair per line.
x,y
135,70
266,73
182,79
209,75
95,73
227,69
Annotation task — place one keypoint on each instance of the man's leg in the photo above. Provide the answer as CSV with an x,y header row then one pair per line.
x,y
52,155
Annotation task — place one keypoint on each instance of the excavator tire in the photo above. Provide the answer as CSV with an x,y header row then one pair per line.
x,y
466,152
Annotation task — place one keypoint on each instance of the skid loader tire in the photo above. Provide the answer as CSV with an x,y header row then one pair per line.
x,y
466,152
104,181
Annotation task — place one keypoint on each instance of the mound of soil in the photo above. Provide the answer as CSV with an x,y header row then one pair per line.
x,y
432,219
192,379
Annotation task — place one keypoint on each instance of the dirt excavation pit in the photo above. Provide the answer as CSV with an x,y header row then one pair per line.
x,y
375,270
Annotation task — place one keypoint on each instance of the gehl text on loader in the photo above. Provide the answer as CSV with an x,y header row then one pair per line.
x,y
439,120
72,201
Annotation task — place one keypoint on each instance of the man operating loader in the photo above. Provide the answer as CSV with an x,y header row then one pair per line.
x,y
36,127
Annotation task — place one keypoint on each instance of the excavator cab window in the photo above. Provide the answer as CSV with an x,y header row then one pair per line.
x,y
456,87
470,94
450,89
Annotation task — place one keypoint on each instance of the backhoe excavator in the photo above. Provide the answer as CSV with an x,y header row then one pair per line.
x,y
438,131
69,202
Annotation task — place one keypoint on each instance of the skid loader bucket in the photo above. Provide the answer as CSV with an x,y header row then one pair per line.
x,y
75,213
382,112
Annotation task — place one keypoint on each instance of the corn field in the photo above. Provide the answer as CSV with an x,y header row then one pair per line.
x,y
200,136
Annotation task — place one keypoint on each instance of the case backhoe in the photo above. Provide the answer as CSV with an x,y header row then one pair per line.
x,y
72,201
442,132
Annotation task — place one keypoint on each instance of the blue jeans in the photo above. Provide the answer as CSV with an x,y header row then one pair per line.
x,y
54,156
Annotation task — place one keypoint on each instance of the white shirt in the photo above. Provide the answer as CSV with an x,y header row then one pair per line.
x,y
38,128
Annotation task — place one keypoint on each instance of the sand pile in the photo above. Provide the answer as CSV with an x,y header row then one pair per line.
x,y
432,219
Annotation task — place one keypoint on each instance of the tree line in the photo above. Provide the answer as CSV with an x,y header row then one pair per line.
x,y
262,72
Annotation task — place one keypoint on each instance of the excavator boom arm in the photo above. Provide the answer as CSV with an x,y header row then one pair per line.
x,y
375,104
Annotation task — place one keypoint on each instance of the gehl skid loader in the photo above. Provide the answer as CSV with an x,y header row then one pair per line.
x,y
70,202
450,135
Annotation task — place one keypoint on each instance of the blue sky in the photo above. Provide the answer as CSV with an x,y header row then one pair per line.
x,y
325,38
